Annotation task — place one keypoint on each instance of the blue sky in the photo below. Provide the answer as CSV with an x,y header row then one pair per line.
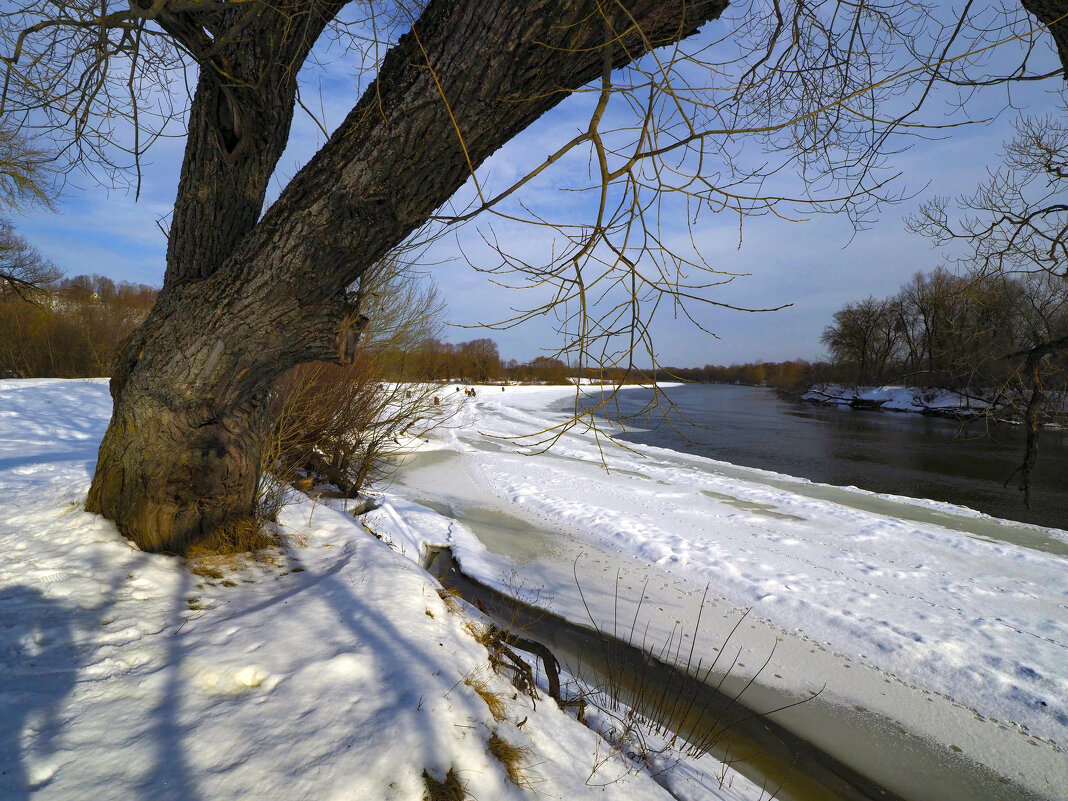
x,y
816,265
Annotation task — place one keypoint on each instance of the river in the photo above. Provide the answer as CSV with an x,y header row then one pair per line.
x,y
888,452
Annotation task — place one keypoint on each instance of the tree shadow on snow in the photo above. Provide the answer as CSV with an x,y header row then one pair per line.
x,y
87,455
39,665
38,668
171,778
397,656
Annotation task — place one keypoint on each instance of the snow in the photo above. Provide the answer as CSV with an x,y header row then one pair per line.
x,y
898,398
332,670
936,636
946,622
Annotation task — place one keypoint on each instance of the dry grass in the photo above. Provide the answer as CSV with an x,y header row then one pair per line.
x,y
202,567
480,632
452,789
494,701
238,537
235,546
512,758
451,596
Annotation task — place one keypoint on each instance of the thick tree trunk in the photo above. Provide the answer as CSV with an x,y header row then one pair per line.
x,y
170,477
1053,13
239,125
181,454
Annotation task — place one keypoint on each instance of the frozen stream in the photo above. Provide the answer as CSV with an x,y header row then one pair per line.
x,y
701,709
937,635
876,746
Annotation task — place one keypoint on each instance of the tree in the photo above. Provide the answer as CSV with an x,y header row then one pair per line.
x,y
24,172
24,178
1016,224
23,271
434,359
1043,355
865,334
930,310
754,374
1017,220
547,370
479,360
247,295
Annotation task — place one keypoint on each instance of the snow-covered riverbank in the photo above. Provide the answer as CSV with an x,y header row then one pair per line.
x,y
937,634
332,671
918,400
945,625
926,400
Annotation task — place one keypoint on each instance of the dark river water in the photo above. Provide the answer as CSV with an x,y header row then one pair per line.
x,y
882,451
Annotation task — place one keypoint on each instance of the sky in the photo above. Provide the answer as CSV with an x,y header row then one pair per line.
x,y
816,265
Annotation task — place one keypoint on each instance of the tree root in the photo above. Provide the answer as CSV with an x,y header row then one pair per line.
x,y
503,645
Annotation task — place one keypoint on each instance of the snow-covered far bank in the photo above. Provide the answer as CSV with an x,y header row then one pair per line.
x,y
899,399
333,670
920,400
940,633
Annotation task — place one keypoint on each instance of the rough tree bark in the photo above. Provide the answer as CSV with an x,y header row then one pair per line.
x,y
244,301
239,124
1054,14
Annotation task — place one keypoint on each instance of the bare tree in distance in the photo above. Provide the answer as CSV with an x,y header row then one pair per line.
x,y
25,171
24,180
23,270
1017,220
1016,223
866,333
825,90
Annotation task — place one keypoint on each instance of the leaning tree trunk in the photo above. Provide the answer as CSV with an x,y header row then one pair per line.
x,y
166,473
181,454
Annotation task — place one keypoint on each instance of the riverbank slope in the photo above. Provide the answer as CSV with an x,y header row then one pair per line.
x,y
935,635
337,672
331,669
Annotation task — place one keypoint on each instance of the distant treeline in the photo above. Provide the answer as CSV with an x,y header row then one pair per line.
x,y
964,333
939,330
70,328
477,361
773,374
73,329
967,334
